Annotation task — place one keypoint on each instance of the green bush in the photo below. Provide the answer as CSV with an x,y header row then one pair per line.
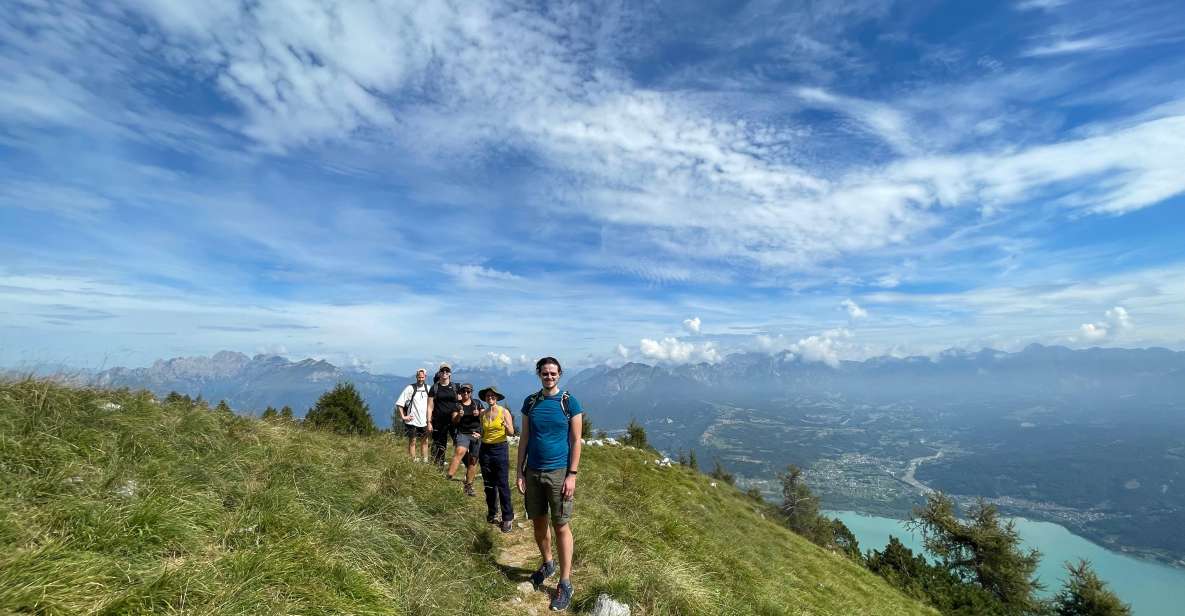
x,y
342,410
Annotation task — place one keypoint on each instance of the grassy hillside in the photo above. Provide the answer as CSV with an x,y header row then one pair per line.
x,y
112,503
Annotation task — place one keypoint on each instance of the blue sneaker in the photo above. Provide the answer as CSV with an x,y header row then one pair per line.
x,y
545,571
563,596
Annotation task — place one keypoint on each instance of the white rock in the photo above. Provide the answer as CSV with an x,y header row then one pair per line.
x,y
713,484
109,406
128,489
610,441
606,606
526,588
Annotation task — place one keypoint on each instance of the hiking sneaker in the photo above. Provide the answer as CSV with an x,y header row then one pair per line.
x,y
563,596
469,490
490,519
507,526
545,571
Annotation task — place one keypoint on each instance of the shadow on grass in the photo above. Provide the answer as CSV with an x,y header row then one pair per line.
x,y
513,573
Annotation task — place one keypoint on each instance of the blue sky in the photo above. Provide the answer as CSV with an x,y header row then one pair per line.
x,y
387,183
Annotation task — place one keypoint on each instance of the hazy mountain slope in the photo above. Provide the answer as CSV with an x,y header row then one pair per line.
x,y
111,502
252,384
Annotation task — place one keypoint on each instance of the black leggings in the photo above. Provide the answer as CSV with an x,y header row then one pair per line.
x,y
495,473
439,447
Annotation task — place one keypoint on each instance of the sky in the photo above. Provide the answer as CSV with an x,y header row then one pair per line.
x,y
382,184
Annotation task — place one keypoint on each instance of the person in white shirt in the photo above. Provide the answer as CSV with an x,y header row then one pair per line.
x,y
412,406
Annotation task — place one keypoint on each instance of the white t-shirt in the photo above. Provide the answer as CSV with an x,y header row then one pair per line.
x,y
415,404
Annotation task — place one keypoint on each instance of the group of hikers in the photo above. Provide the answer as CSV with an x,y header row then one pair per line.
x,y
545,468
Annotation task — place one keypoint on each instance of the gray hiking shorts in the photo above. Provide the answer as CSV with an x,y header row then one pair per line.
x,y
545,495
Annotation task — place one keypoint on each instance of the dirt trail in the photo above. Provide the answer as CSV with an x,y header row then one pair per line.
x,y
518,557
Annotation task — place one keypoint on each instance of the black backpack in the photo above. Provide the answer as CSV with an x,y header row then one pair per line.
x,y
538,397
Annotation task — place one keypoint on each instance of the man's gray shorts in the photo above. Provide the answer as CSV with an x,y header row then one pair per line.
x,y
545,495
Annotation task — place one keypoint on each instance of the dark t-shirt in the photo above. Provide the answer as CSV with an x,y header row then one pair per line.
x,y
470,418
446,402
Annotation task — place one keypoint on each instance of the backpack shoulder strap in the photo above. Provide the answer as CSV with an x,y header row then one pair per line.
x,y
564,405
532,400
537,396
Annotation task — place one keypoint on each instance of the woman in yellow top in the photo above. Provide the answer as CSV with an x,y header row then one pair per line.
x,y
496,424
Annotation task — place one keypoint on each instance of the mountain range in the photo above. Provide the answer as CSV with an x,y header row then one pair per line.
x,y
1021,428
1094,377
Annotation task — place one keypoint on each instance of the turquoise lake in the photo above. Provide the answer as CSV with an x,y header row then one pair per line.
x,y
1151,588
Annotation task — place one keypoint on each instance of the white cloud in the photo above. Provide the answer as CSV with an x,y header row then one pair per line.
x,y
824,348
1118,317
890,124
1093,331
1065,46
853,309
1025,5
692,325
622,351
828,347
1117,320
676,351
476,276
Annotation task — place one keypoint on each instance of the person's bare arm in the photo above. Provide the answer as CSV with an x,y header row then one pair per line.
x,y
521,480
574,444
508,421
431,405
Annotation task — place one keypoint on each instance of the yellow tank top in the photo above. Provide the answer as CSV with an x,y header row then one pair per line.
x,y
493,427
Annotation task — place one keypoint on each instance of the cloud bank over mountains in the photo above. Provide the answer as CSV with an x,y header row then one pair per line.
x,y
398,178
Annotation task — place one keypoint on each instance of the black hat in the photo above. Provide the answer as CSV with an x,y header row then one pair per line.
x,y
481,395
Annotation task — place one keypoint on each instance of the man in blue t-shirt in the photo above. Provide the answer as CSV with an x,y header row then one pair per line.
x,y
548,458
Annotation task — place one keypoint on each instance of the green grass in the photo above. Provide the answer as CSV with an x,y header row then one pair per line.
x,y
156,508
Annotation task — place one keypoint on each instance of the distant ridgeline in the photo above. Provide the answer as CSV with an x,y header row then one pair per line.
x,y
117,502
1020,428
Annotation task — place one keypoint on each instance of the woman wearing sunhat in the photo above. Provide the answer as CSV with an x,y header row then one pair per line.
x,y
497,423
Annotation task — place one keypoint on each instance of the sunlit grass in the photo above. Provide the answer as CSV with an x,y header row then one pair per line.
x,y
151,508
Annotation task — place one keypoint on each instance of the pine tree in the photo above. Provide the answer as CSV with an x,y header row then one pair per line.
x,y
176,398
341,410
269,413
223,407
635,435
586,427
799,505
1085,594
719,473
286,413
845,540
983,549
691,461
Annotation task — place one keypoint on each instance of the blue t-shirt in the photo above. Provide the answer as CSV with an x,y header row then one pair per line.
x,y
547,438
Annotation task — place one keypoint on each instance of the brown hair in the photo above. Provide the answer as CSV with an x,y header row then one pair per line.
x,y
548,360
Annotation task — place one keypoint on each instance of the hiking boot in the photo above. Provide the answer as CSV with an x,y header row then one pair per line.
x,y
469,490
490,519
563,596
507,526
545,571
